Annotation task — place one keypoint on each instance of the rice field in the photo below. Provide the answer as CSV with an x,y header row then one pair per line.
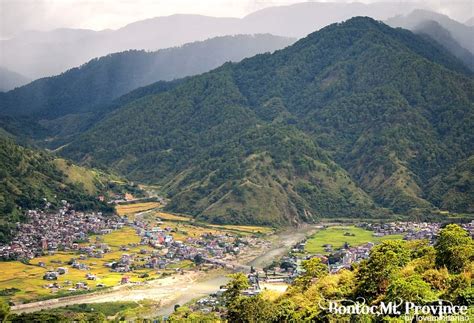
x,y
28,278
172,217
130,209
245,228
338,235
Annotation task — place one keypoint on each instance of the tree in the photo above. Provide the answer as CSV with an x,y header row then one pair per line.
x,y
251,309
238,283
4,310
375,273
314,269
198,259
411,289
454,248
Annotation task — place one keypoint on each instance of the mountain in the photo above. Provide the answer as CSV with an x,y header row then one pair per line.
x,y
66,100
436,32
39,54
470,22
460,32
354,120
10,80
27,177
454,190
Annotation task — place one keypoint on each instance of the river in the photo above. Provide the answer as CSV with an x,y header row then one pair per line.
x,y
178,289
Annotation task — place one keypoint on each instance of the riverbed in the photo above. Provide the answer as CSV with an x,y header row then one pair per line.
x,y
177,289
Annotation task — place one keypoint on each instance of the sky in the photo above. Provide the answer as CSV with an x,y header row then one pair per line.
x,y
20,15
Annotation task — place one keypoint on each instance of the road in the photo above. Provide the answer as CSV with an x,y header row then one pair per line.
x,y
177,289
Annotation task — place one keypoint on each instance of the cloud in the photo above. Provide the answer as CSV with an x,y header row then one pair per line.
x,y
20,15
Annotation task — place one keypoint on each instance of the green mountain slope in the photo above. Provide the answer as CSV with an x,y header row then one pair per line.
x,y
352,118
89,87
454,189
435,31
27,177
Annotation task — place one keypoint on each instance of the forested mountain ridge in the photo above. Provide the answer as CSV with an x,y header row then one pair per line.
x,y
351,119
436,32
68,102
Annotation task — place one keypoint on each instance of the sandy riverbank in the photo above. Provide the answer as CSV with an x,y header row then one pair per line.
x,y
180,288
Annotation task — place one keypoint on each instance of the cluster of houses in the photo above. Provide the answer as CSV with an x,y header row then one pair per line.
x,y
345,257
165,250
47,232
409,230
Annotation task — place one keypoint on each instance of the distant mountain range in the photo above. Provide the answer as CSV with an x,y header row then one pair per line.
x,y
462,33
10,80
435,31
358,119
67,102
40,54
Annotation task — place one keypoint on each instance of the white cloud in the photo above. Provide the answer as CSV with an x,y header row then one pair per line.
x,y
20,15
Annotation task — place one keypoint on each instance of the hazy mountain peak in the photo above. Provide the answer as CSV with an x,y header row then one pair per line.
x,y
52,53
460,32
10,80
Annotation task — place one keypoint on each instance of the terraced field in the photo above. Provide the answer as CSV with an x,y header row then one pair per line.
x,y
130,209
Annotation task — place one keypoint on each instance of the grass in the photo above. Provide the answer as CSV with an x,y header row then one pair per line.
x,y
108,308
335,237
76,174
129,209
28,278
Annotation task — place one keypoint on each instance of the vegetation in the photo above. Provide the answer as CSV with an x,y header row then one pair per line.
x,y
129,209
337,236
396,270
23,282
70,102
29,179
355,120
54,316
97,312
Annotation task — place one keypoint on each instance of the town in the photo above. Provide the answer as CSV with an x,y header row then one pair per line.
x,y
161,245
81,236
284,271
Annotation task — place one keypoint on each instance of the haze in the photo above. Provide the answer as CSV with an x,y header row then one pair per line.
x,y
21,15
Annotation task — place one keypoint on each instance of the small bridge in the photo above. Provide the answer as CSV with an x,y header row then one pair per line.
x,y
230,265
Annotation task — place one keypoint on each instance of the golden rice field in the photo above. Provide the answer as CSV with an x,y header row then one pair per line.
x,y
245,228
172,217
129,209
28,277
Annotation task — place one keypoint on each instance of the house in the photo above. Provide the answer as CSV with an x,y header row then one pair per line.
x,y
51,275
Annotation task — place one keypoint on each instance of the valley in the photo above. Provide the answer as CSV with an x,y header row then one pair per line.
x,y
240,177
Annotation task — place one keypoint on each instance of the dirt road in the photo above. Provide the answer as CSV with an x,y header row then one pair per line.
x,y
177,289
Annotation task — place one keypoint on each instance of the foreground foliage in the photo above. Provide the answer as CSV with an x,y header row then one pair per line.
x,y
412,271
